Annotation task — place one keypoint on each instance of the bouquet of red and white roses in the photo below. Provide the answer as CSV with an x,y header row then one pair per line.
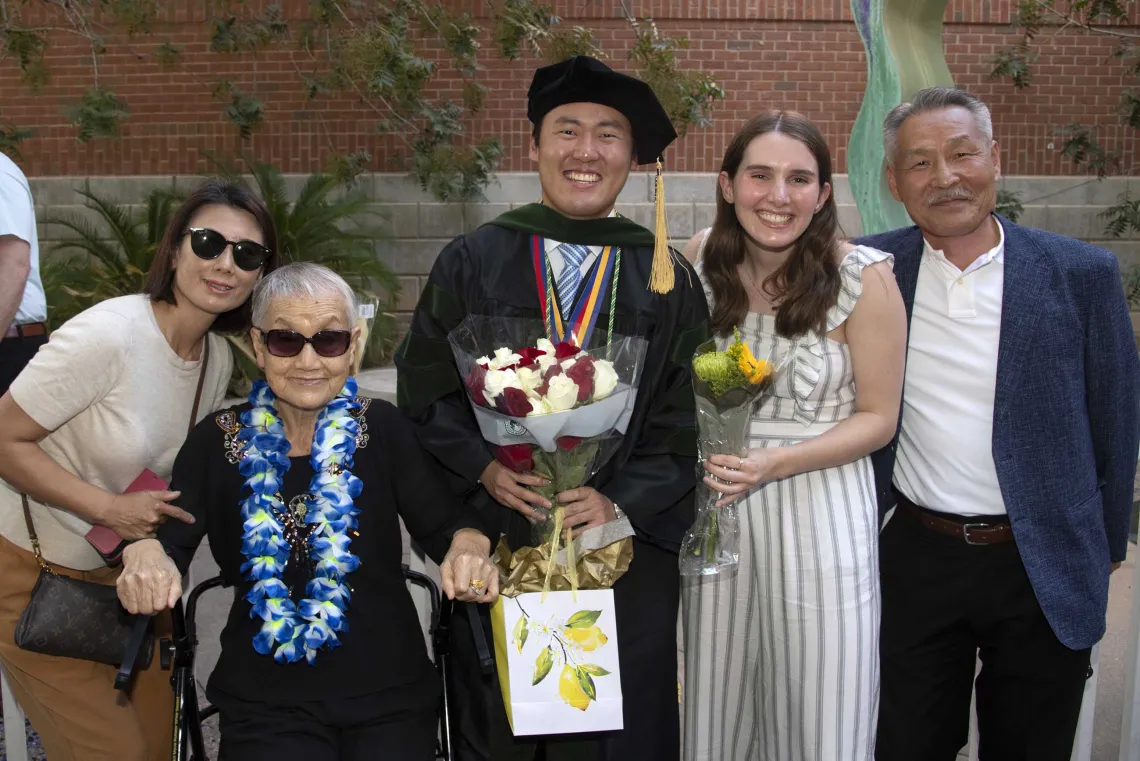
x,y
545,407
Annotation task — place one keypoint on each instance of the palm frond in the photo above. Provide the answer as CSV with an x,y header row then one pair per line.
x,y
316,190
124,228
86,241
160,207
271,187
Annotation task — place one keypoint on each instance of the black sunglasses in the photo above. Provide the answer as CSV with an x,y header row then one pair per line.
x,y
289,343
209,244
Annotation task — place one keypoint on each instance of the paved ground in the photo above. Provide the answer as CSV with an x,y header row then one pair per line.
x,y
1113,654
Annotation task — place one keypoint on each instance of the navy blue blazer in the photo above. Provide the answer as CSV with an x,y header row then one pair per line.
x,y
1066,416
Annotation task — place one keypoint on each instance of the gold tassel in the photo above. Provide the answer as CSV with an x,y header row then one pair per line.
x,y
559,516
661,276
572,562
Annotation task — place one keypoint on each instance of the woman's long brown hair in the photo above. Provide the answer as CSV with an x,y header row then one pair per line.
x,y
806,286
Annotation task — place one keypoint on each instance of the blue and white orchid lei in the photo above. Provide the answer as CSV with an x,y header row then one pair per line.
x,y
291,630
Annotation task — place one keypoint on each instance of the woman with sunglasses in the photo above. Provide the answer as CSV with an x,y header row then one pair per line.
x,y
108,397
300,491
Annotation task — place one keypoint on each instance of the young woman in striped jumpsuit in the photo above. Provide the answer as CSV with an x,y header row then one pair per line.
x,y
781,655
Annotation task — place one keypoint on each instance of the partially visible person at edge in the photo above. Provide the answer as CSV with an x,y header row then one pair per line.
x,y
23,309
323,658
805,599
592,126
1011,477
108,396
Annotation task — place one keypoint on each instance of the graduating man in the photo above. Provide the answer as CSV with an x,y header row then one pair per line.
x,y
591,127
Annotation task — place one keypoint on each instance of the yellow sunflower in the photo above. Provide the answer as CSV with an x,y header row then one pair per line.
x,y
755,370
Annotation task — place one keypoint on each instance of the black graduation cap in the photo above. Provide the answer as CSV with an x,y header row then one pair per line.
x,y
583,79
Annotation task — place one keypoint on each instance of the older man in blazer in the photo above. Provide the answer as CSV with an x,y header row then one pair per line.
x,y
1012,473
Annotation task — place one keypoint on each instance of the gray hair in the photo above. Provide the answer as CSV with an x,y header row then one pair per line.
x,y
933,99
300,280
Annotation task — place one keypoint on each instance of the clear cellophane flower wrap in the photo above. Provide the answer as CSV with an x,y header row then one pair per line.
x,y
560,412
729,385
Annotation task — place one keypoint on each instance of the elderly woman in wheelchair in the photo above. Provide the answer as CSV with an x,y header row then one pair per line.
x,y
299,491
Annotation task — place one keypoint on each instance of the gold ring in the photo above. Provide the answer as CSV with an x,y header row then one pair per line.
x,y
478,585
740,465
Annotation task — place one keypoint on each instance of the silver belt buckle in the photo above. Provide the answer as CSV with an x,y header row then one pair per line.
x,y
966,531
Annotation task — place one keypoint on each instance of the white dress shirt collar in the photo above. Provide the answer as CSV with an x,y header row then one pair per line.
x,y
995,254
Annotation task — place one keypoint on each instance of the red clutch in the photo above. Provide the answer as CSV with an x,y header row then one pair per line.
x,y
106,542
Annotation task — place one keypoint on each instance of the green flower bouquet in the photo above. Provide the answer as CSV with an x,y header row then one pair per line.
x,y
728,384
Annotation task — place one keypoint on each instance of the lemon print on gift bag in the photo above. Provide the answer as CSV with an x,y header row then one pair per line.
x,y
567,643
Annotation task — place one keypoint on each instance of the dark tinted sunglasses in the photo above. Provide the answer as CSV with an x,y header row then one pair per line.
x,y
209,244
289,343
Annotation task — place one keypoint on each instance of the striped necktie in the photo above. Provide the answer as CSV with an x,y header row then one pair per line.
x,y
573,254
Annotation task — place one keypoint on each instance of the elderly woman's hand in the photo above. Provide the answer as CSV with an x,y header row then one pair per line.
x,y
467,572
150,582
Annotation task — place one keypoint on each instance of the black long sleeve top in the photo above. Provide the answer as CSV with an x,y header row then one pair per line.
x,y
384,644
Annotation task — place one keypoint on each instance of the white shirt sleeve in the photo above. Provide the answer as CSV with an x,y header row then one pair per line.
x,y
78,367
17,213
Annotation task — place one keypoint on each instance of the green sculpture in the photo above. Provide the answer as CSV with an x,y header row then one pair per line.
x,y
903,40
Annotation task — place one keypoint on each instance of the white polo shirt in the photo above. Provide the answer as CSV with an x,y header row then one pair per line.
x,y
18,218
945,452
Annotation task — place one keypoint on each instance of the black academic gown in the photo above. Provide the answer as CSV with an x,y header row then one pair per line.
x,y
652,476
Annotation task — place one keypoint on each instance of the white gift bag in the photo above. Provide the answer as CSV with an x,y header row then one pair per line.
x,y
558,662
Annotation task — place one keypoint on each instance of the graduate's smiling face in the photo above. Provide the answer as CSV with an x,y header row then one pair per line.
x,y
584,153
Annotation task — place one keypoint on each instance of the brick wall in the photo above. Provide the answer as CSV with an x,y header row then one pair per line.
x,y
804,55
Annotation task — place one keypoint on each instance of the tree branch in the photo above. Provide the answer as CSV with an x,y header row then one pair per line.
x,y
368,102
320,118
343,15
46,29
1059,30
1088,27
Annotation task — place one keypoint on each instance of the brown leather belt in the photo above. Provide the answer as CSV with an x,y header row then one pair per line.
x,y
26,330
970,533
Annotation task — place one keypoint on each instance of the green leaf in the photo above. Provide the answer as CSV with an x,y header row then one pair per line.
x,y
98,114
1121,218
590,668
543,664
233,35
586,683
1009,205
583,619
29,49
1015,64
521,633
168,55
10,138
135,15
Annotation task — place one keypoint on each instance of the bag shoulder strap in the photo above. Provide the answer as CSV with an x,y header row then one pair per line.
x,y
32,534
201,383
